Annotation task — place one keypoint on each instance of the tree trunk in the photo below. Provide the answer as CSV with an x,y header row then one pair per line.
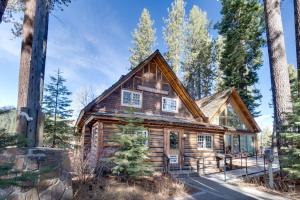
x,y
32,66
36,81
297,35
24,70
278,66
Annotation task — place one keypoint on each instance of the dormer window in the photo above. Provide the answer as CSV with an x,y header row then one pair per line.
x,y
131,99
169,105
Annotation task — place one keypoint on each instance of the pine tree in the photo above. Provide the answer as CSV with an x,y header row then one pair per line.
x,y
198,66
143,39
57,110
242,27
173,34
290,136
131,157
218,48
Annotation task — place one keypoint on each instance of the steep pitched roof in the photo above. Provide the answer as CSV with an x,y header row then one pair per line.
x,y
170,76
211,105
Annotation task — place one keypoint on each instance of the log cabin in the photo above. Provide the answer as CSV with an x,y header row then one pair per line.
x,y
180,130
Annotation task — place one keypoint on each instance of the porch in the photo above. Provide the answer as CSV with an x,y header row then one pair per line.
x,y
242,167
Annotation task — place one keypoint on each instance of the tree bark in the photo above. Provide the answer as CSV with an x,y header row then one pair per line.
x,y
278,66
297,35
32,66
26,51
3,4
36,81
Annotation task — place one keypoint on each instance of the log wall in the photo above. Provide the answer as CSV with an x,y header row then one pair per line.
x,y
159,143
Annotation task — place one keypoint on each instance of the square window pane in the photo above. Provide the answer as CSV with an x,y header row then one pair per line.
x,y
136,99
208,142
126,97
169,105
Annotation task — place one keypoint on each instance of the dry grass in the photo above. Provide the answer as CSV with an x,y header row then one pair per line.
x,y
146,188
281,188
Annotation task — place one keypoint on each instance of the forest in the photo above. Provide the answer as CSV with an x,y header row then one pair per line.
x,y
43,150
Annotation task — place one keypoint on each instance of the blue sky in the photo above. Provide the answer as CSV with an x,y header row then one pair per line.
x,y
89,42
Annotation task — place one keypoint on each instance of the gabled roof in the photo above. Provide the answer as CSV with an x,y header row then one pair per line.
x,y
211,105
170,76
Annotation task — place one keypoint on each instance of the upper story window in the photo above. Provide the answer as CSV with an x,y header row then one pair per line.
x,y
230,118
131,99
169,105
205,141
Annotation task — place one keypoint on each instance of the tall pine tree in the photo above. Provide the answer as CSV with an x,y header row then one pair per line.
x,y
57,110
217,56
290,136
143,39
242,27
173,34
198,63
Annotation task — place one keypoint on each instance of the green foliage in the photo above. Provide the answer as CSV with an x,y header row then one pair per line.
x,y
199,71
173,34
57,130
242,27
265,138
8,119
143,39
7,139
16,7
132,154
217,56
11,176
290,136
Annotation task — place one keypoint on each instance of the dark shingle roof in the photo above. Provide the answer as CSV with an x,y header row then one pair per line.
x,y
160,119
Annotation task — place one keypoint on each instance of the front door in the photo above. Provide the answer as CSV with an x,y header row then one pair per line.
x,y
175,146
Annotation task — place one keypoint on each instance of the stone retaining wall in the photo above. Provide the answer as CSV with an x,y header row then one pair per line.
x,y
56,184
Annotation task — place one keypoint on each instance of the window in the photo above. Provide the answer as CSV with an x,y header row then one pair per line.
x,y
230,118
131,99
146,135
169,104
205,141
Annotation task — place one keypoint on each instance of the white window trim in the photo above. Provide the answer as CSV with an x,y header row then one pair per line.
x,y
171,111
130,105
204,142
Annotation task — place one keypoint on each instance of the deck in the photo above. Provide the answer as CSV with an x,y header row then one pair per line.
x,y
254,167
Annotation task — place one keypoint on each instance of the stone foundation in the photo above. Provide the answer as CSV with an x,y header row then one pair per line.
x,y
56,184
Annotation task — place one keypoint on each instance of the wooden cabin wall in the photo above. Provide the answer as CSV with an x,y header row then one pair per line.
x,y
191,147
156,143
85,141
151,77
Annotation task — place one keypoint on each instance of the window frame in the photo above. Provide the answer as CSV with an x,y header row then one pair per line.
x,y
168,98
204,141
146,134
132,92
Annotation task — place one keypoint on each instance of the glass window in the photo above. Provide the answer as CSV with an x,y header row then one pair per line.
x,y
173,141
169,104
131,99
230,118
145,134
243,143
205,141
236,144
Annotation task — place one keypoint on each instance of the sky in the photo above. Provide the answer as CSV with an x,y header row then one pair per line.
x,y
89,42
